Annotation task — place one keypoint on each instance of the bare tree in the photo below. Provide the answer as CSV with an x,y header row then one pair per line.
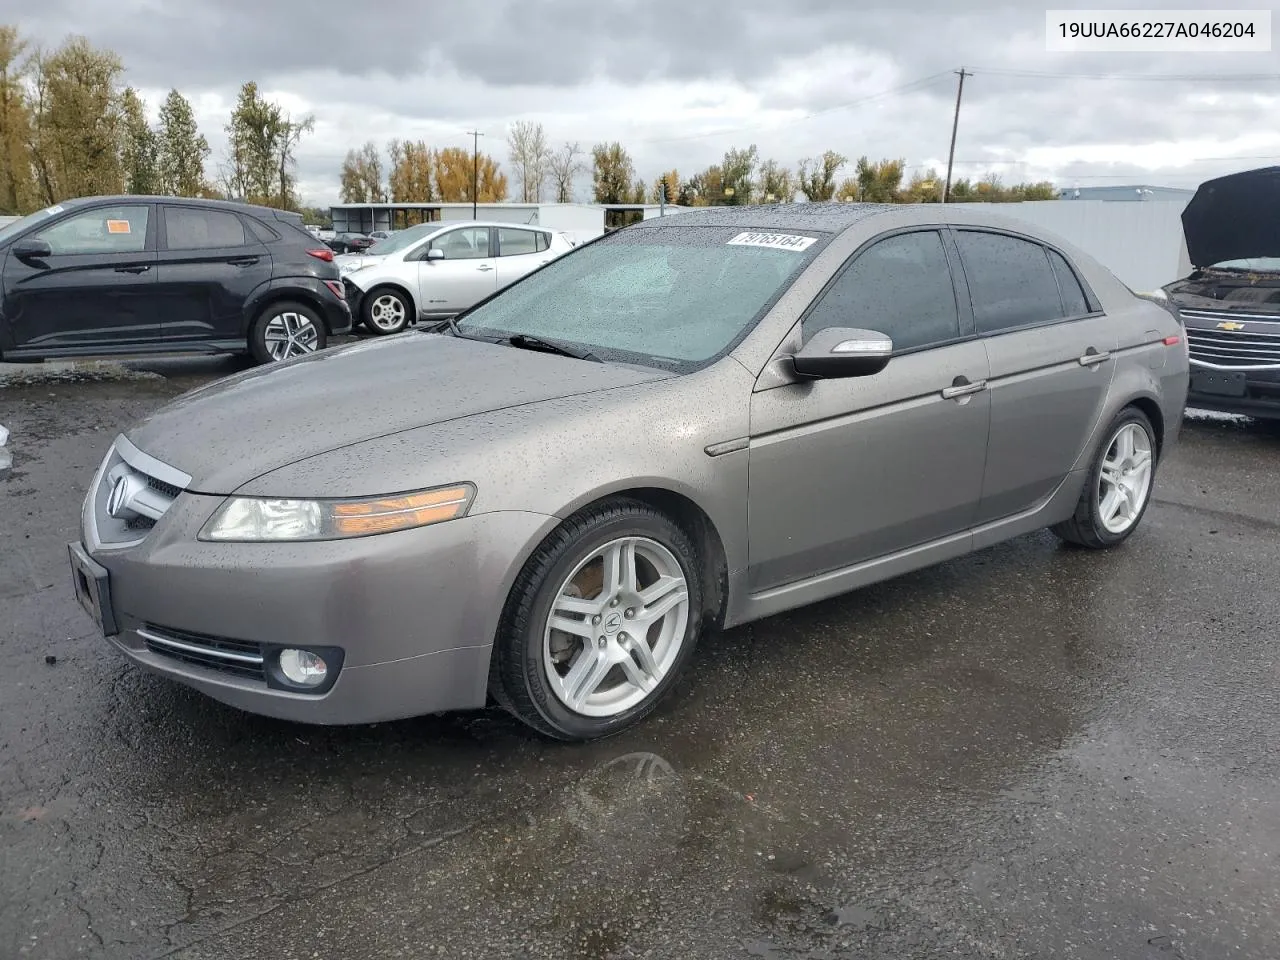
x,y
529,158
565,165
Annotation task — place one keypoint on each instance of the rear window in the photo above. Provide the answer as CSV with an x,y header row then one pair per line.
x,y
263,232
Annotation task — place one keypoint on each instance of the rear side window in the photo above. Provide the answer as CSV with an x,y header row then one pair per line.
x,y
1074,302
187,228
1010,281
542,240
900,286
516,243
261,231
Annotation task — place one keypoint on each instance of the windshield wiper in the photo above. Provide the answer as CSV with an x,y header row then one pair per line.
x,y
526,341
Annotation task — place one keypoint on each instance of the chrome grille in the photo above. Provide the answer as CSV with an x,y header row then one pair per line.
x,y
235,657
144,487
1256,348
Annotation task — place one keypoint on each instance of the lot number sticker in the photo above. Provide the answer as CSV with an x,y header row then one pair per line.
x,y
775,241
118,226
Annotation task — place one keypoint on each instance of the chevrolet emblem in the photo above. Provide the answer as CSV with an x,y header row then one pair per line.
x,y
1230,325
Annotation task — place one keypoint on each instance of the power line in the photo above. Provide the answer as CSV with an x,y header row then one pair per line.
x,y
1147,77
892,91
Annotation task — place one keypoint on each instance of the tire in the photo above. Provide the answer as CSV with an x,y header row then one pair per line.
x,y
300,326
1093,526
527,651
385,310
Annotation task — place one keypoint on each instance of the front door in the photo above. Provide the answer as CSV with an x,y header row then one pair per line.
x,y
1051,365
96,291
848,470
465,276
208,266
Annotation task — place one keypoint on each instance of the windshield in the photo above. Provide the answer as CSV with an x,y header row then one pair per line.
x,y
30,220
675,297
404,238
1259,264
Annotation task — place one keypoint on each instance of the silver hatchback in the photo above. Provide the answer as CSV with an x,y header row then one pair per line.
x,y
692,423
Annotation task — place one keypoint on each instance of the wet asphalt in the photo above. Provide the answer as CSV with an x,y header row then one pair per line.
x,y
1031,752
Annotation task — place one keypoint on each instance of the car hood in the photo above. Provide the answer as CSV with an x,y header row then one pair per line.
x,y
229,432
1234,218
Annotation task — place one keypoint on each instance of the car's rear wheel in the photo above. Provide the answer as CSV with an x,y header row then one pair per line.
x,y
385,310
284,330
600,623
1118,489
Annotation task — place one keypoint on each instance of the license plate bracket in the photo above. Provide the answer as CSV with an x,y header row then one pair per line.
x,y
1220,383
92,583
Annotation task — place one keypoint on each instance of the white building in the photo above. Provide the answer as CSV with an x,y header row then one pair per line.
x,y
582,221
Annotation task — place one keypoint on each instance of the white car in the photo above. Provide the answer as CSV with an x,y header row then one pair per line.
x,y
437,270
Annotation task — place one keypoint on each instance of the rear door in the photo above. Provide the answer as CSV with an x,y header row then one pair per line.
x,y
465,276
521,251
209,264
97,289
1050,350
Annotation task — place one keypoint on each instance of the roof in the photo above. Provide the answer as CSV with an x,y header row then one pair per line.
x,y
186,201
831,217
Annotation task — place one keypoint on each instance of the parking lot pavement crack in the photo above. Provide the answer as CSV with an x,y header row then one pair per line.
x,y
1256,523
312,891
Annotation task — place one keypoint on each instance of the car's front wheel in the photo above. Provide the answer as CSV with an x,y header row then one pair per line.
x,y
1118,488
600,623
385,310
285,330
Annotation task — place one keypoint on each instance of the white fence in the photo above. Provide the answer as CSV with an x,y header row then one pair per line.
x,y
1141,242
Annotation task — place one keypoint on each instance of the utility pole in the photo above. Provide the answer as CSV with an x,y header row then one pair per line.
x,y
475,170
955,123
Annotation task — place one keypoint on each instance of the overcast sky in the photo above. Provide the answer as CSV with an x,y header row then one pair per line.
x,y
677,82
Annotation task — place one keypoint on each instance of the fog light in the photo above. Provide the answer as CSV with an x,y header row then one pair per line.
x,y
303,667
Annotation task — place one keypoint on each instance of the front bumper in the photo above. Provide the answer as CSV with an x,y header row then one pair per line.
x,y
414,613
1253,393
1235,361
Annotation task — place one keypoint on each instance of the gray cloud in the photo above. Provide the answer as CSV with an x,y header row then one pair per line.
x,y
403,67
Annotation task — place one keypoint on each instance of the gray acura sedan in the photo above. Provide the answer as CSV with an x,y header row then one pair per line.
x,y
692,423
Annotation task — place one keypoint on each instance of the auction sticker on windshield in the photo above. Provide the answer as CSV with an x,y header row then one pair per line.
x,y
776,241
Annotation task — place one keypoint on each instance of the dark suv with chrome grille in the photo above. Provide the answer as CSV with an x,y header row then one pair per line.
x,y
127,275
1230,304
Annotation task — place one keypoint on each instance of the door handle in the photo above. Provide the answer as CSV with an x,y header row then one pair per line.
x,y
141,269
1092,358
485,268
243,261
963,387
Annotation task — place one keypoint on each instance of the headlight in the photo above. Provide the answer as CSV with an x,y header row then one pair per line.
x,y
260,519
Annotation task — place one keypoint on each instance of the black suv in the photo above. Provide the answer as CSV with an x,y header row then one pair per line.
x,y
128,275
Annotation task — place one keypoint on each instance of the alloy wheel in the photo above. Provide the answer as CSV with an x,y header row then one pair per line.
x,y
616,627
386,312
290,334
1124,483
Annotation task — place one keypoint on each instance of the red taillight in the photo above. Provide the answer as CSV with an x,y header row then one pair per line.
x,y
338,289
1172,341
321,253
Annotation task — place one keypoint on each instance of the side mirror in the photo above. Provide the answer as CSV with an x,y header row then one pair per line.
x,y
843,352
32,249
435,253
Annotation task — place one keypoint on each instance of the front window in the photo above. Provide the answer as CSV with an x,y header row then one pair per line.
x,y
30,220
116,229
674,297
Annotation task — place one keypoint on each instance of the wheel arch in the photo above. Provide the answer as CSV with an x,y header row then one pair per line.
x,y
273,295
1151,409
682,509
